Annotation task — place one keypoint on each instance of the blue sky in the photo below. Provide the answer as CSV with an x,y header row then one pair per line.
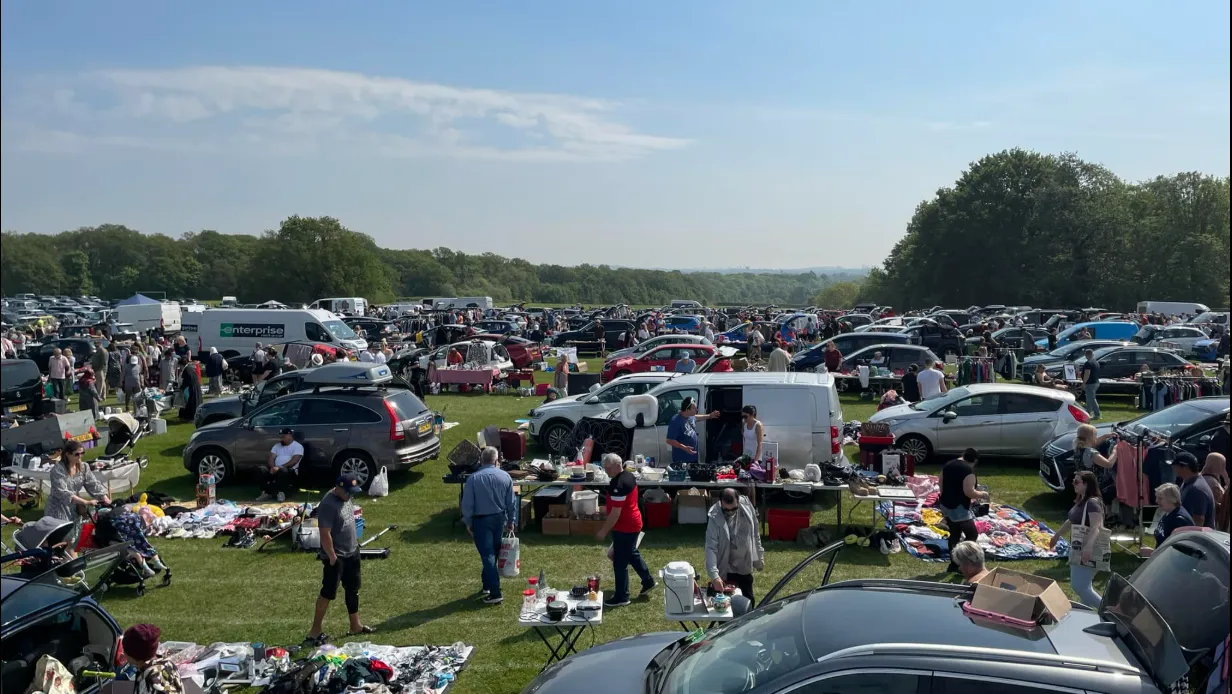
x,y
678,134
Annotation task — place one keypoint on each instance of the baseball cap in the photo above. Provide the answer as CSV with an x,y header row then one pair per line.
x,y
1186,460
284,431
350,484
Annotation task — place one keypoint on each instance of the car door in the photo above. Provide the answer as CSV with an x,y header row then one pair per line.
x,y
276,388
1027,422
327,427
255,436
609,398
1164,360
978,425
1120,364
664,357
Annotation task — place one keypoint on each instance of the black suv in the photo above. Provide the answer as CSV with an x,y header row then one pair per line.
x,y
21,388
83,348
612,328
1124,362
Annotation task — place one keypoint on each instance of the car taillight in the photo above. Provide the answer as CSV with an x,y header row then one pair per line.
x,y
836,443
1079,414
396,432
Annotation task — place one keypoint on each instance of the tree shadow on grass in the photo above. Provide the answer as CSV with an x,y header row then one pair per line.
x,y
410,620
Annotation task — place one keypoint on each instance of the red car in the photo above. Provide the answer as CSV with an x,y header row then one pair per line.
x,y
664,356
522,352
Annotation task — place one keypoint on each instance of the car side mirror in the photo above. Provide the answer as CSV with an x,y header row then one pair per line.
x,y
1205,440
248,424
949,416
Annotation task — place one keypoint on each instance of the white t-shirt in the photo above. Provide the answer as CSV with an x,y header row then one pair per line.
x,y
284,454
380,357
366,356
929,381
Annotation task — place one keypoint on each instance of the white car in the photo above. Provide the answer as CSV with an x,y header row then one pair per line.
x,y
882,325
496,356
552,422
996,419
1180,337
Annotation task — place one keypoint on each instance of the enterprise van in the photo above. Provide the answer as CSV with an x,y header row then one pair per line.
x,y
350,305
235,331
800,412
1100,330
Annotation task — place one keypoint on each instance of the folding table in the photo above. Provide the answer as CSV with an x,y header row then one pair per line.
x,y
560,637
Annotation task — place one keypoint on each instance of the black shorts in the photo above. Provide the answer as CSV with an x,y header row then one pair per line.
x,y
345,570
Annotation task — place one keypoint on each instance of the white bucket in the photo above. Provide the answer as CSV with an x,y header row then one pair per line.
x,y
678,582
158,426
585,503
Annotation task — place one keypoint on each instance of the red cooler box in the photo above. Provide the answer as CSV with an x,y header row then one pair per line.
x,y
870,450
786,523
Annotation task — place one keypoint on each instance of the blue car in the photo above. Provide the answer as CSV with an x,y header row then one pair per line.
x,y
53,613
1099,330
1206,350
689,324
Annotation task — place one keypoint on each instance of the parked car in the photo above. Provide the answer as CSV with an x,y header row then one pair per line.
x,y
55,614
942,339
881,324
522,352
1102,330
612,329
895,357
1014,338
1123,362
1182,337
663,357
656,341
995,418
1140,641
346,422
735,337
811,358
233,406
1190,424
685,323
552,422
82,348
1064,354
21,388
371,329
496,355
498,327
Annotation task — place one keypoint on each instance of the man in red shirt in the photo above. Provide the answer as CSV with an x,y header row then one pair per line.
x,y
624,522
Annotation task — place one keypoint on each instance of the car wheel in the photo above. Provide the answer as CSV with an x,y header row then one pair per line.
x,y
916,446
356,463
618,374
213,461
555,437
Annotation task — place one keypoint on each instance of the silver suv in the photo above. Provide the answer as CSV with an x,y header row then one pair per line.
x,y
350,421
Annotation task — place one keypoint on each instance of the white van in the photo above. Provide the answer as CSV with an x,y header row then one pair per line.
x,y
349,305
147,317
685,303
228,302
1172,308
799,411
237,330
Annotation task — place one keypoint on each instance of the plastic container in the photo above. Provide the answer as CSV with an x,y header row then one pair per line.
x,y
528,600
585,503
658,514
785,524
678,584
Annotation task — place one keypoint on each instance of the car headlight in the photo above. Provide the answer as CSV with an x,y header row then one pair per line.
x,y
531,414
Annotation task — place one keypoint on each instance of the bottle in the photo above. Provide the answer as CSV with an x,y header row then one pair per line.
x,y
542,583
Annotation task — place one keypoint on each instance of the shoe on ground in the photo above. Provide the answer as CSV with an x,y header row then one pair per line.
x,y
282,497
493,600
612,602
647,587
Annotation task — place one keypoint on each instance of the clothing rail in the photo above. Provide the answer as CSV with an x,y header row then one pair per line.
x,y
1137,540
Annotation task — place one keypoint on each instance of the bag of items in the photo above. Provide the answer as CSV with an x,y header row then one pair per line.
x,y
509,560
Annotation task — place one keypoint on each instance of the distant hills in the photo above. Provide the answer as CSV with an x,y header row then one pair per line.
x,y
820,270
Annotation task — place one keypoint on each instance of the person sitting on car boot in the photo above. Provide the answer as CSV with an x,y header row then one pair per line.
x,y
281,467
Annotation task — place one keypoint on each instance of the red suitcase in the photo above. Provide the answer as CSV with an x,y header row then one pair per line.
x,y
513,444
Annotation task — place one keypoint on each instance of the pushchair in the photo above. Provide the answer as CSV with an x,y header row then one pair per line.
x,y
116,466
105,533
40,546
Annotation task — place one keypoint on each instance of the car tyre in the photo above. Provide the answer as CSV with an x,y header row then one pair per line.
x,y
213,461
917,447
618,374
556,436
356,463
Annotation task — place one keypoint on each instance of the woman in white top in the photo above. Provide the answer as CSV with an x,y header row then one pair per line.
x,y
753,432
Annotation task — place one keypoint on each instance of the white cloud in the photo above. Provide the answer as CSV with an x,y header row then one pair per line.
x,y
286,108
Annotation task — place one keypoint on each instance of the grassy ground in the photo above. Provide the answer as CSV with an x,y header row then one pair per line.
x,y
424,593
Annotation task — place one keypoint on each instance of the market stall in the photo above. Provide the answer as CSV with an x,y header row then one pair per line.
x,y
482,377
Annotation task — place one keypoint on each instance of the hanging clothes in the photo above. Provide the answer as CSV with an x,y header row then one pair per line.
x,y
1133,487
975,370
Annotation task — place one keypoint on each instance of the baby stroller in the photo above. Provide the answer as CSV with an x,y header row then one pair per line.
x,y
40,546
110,527
116,466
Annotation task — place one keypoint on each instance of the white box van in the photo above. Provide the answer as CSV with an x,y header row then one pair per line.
x,y
350,305
685,303
799,411
146,317
237,330
1172,308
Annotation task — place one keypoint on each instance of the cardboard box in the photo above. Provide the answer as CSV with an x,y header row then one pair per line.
x,y
556,526
524,514
581,367
1019,595
692,505
585,527
558,511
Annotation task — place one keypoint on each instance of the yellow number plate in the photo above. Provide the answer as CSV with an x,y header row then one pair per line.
x,y
425,427
18,408
84,437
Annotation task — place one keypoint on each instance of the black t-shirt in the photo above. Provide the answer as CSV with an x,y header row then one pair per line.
x,y
273,367
1090,372
911,387
952,475
1219,442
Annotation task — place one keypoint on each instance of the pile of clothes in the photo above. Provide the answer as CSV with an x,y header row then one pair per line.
x,y
372,668
222,518
1005,532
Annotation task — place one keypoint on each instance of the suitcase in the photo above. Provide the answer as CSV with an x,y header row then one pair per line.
x,y
513,444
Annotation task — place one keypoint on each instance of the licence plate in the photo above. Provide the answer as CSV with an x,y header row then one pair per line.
x,y
84,437
17,408
425,427
1046,468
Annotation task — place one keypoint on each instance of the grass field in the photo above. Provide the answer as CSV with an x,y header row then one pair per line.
x,y
425,592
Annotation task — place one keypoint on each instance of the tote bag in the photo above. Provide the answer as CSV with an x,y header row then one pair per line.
x,y
509,560
1101,551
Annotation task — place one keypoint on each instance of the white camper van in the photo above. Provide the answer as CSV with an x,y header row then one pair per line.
x,y
237,330
348,305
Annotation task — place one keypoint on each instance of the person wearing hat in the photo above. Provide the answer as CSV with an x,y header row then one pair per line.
x,y
281,467
1196,494
340,556
155,675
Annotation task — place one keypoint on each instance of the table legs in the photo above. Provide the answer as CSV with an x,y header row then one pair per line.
x,y
567,640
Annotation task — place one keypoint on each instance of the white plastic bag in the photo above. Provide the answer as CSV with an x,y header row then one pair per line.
x,y
509,559
380,484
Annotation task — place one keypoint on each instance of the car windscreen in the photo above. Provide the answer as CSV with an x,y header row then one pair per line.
x,y
933,403
406,404
340,330
19,373
1173,420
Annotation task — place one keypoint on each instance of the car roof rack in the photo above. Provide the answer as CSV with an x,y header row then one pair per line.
x,y
353,374
982,653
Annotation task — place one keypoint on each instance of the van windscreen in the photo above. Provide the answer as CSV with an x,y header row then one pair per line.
x,y
19,373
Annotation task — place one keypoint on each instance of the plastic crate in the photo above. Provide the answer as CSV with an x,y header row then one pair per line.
x,y
785,523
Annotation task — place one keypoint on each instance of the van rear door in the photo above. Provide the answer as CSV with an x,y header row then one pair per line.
x,y
786,413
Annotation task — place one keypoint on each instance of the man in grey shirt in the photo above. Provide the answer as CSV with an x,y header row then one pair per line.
x,y
733,543
340,556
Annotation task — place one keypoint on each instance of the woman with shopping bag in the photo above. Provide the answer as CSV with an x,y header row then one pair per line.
x,y
1089,539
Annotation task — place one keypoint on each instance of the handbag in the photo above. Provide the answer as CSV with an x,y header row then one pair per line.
x,y
380,484
509,560
1101,554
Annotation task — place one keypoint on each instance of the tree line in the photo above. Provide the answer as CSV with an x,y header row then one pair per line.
x,y
308,258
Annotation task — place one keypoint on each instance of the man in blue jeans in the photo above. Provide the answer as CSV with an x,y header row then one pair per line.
x,y
624,522
1090,383
489,507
